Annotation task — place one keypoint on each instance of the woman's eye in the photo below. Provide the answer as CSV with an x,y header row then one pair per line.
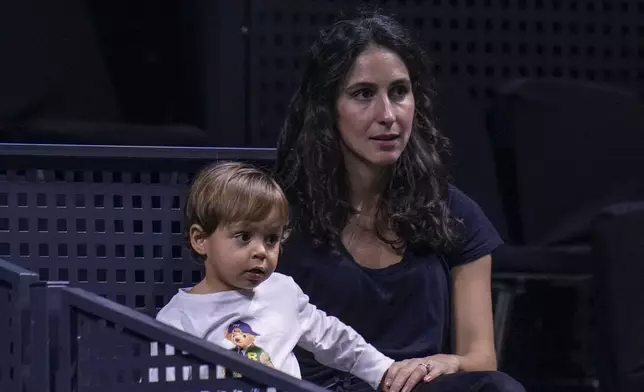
x,y
363,94
399,92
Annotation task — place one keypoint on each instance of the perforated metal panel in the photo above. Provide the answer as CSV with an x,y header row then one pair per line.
x,y
110,225
113,231
477,44
14,325
8,355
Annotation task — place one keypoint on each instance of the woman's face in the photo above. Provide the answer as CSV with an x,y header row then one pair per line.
x,y
375,109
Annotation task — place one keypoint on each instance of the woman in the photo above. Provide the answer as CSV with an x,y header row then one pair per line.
x,y
380,239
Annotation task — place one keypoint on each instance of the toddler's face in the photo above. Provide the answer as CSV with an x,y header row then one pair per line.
x,y
242,255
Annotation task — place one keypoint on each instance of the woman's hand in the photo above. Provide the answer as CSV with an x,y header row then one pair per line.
x,y
441,364
404,375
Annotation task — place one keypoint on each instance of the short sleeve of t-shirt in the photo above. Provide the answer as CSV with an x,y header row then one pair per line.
x,y
477,235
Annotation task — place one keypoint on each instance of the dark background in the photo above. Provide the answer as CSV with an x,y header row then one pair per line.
x,y
221,72
229,67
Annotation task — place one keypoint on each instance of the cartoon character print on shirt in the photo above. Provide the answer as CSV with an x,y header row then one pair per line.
x,y
243,337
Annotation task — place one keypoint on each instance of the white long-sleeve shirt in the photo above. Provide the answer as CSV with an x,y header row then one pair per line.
x,y
269,322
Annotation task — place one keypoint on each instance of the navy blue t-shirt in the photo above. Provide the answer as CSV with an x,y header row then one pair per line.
x,y
403,309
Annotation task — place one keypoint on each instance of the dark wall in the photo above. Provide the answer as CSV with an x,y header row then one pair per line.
x,y
474,44
230,67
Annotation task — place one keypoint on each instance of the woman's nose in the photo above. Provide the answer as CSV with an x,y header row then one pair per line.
x,y
386,114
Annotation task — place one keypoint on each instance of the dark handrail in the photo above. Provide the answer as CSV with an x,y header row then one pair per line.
x,y
146,152
130,319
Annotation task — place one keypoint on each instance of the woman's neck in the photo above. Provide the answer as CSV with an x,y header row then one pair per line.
x,y
365,183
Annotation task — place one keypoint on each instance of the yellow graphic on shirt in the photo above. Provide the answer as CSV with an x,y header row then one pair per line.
x,y
243,337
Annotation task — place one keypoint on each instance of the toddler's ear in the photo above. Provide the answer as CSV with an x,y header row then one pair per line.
x,y
198,239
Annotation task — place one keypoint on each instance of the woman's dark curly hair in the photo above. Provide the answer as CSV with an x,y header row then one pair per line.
x,y
310,165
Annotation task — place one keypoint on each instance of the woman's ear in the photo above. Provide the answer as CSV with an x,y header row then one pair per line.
x,y
198,239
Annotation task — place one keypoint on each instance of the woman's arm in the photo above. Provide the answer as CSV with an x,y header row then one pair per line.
x,y
473,329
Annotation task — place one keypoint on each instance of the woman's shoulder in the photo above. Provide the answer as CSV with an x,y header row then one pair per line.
x,y
460,203
477,237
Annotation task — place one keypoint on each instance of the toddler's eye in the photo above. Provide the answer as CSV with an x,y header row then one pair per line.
x,y
243,236
272,239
